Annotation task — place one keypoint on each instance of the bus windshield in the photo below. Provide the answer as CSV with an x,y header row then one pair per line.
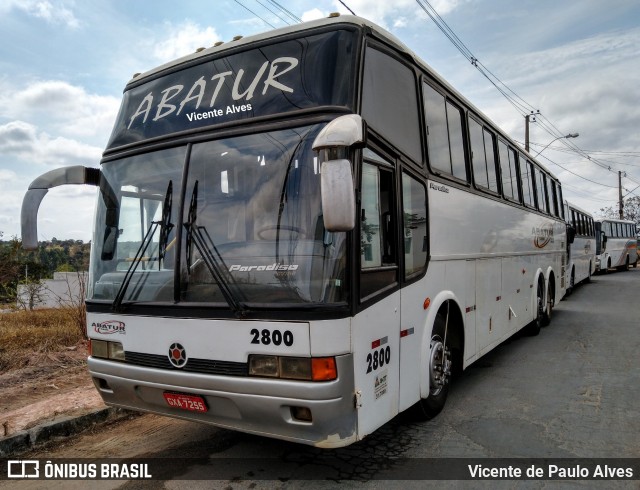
x,y
252,227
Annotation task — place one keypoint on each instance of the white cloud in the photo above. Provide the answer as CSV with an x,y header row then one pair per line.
x,y
62,108
183,39
24,141
313,15
396,13
50,12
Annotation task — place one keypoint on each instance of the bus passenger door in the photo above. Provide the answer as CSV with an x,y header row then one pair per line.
x,y
376,328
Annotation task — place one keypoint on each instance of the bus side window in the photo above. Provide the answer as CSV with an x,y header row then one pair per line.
x,y
414,235
509,180
378,255
526,181
444,134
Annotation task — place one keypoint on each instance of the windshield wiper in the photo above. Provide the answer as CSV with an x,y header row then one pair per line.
x,y
165,228
200,237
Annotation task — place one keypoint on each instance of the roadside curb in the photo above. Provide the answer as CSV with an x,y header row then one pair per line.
x,y
65,426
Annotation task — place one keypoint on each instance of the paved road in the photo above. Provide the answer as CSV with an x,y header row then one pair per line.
x,y
571,392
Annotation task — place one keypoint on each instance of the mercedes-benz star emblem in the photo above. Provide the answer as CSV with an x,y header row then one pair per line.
x,y
177,355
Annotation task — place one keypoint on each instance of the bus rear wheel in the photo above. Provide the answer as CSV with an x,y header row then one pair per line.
x,y
548,309
624,267
440,366
534,327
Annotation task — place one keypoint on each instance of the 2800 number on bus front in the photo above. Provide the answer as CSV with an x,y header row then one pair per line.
x,y
268,337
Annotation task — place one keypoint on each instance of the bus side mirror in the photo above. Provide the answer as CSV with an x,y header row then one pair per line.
x,y
571,234
336,176
39,188
338,200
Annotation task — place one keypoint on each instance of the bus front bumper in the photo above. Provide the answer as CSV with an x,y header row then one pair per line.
x,y
262,406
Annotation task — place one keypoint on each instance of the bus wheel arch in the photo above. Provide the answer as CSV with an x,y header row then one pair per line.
x,y
442,355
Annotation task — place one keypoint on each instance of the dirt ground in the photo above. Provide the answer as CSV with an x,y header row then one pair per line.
x,y
46,386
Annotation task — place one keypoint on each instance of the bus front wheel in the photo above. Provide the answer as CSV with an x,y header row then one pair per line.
x,y
439,370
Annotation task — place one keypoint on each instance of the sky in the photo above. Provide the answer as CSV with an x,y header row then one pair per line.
x,y
65,63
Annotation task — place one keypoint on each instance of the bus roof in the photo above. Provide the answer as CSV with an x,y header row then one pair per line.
x,y
578,208
352,20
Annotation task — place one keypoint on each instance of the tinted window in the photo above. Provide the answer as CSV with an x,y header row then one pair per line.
x,y
551,196
478,157
559,200
377,229
509,181
491,160
513,165
444,134
482,156
437,132
282,77
541,190
458,165
415,225
526,180
390,102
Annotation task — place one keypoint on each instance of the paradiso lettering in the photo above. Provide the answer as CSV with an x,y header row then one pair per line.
x,y
542,235
272,267
204,92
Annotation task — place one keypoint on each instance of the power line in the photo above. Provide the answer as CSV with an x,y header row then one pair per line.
x,y
521,105
266,7
247,8
578,175
285,11
347,7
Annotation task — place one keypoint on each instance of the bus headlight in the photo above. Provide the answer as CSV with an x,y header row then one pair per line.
x,y
263,366
301,368
106,350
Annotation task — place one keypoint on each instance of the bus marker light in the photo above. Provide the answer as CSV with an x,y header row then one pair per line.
x,y
426,303
324,369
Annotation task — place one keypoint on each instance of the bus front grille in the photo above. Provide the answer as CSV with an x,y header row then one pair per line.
x,y
202,366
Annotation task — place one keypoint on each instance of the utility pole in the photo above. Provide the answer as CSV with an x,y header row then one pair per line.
x,y
621,206
527,120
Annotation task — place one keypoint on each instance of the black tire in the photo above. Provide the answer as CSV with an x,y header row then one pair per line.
x,y
534,327
572,281
548,307
588,279
440,366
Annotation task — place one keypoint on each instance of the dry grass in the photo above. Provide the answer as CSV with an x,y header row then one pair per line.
x,y
27,335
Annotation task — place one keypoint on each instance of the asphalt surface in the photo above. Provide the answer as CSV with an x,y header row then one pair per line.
x,y
570,392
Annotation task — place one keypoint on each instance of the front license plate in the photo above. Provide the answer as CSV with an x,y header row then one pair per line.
x,y
192,403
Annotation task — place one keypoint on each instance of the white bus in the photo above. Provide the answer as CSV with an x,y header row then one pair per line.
x,y
303,233
616,245
581,239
